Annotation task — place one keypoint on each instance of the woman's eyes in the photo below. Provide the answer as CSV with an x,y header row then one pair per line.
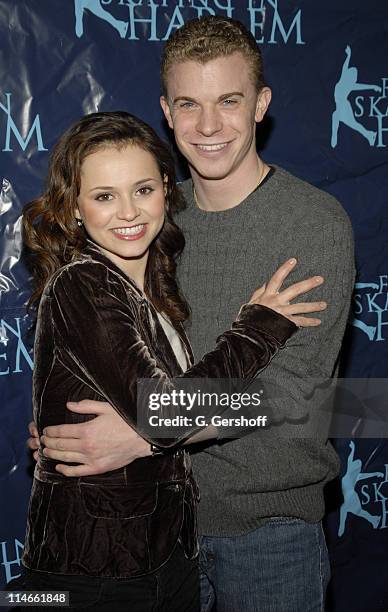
x,y
104,197
145,190
107,197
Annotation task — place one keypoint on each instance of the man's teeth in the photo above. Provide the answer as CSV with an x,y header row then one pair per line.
x,y
129,231
214,147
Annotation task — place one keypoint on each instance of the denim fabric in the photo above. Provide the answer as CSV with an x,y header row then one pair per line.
x,y
280,567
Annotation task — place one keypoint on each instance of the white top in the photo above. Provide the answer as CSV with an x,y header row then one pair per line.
x,y
174,340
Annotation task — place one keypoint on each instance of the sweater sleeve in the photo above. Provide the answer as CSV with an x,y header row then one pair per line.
x,y
299,377
293,456
98,337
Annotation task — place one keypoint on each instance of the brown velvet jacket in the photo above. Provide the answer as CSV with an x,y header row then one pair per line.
x,y
96,335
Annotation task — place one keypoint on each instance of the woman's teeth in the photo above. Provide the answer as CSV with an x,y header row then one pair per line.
x,y
129,231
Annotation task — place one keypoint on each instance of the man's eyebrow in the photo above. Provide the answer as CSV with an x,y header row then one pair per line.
x,y
230,95
222,97
185,98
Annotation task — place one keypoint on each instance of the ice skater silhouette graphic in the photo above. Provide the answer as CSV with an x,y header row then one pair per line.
x,y
95,7
352,503
344,112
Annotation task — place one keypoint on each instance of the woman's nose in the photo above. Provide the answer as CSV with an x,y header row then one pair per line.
x,y
127,209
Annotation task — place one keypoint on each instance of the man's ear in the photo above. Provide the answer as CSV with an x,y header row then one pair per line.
x,y
262,103
166,111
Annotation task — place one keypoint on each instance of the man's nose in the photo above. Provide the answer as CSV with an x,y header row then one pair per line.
x,y
209,121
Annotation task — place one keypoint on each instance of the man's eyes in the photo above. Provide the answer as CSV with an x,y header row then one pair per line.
x,y
189,105
186,104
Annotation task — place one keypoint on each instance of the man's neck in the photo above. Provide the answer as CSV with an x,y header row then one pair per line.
x,y
222,194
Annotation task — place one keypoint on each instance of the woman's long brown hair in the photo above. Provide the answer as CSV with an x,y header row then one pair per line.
x,y
51,233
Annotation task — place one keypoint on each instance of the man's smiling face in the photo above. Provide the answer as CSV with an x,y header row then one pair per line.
x,y
213,109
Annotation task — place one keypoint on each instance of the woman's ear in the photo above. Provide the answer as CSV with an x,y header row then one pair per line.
x,y
78,218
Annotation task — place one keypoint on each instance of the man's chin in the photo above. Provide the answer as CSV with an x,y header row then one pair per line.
x,y
208,172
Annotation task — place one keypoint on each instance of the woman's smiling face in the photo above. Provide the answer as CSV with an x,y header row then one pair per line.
x,y
122,203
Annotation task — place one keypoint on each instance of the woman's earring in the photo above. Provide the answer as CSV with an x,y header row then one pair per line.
x,y
165,185
79,222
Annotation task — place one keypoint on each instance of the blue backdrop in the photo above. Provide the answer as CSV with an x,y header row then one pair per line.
x,y
326,62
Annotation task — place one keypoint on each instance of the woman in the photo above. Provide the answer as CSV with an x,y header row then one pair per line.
x,y
104,244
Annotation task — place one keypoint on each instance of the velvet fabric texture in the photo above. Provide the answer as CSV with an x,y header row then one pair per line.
x,y
97,334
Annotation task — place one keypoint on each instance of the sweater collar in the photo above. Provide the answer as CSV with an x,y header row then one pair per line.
x,y
187,189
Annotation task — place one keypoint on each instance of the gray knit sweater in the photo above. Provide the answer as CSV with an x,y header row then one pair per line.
x,y
227,255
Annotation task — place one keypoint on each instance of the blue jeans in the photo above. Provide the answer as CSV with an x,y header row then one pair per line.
x,y
280,567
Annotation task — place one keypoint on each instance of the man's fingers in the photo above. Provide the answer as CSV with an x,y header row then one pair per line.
x,y
302,287
33,443
33,430
65,431
36,455
280,275
76,470
61,444
65,456
90,407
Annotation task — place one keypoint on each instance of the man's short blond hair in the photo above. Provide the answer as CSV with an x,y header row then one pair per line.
x,y
201,40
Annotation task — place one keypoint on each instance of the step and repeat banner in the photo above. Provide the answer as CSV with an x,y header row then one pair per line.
x,y
327,63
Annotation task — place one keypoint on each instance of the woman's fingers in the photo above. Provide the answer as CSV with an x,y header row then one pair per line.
x,y
301,287
304,307
305,321
270,295
257,295
280,275
294,313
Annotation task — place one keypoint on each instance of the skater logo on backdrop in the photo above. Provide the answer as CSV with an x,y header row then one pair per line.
x,y
370,308
30,134
366,113
14,355
135,19
363,501
11,552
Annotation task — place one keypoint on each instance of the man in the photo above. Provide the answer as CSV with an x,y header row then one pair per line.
x,y
261,497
